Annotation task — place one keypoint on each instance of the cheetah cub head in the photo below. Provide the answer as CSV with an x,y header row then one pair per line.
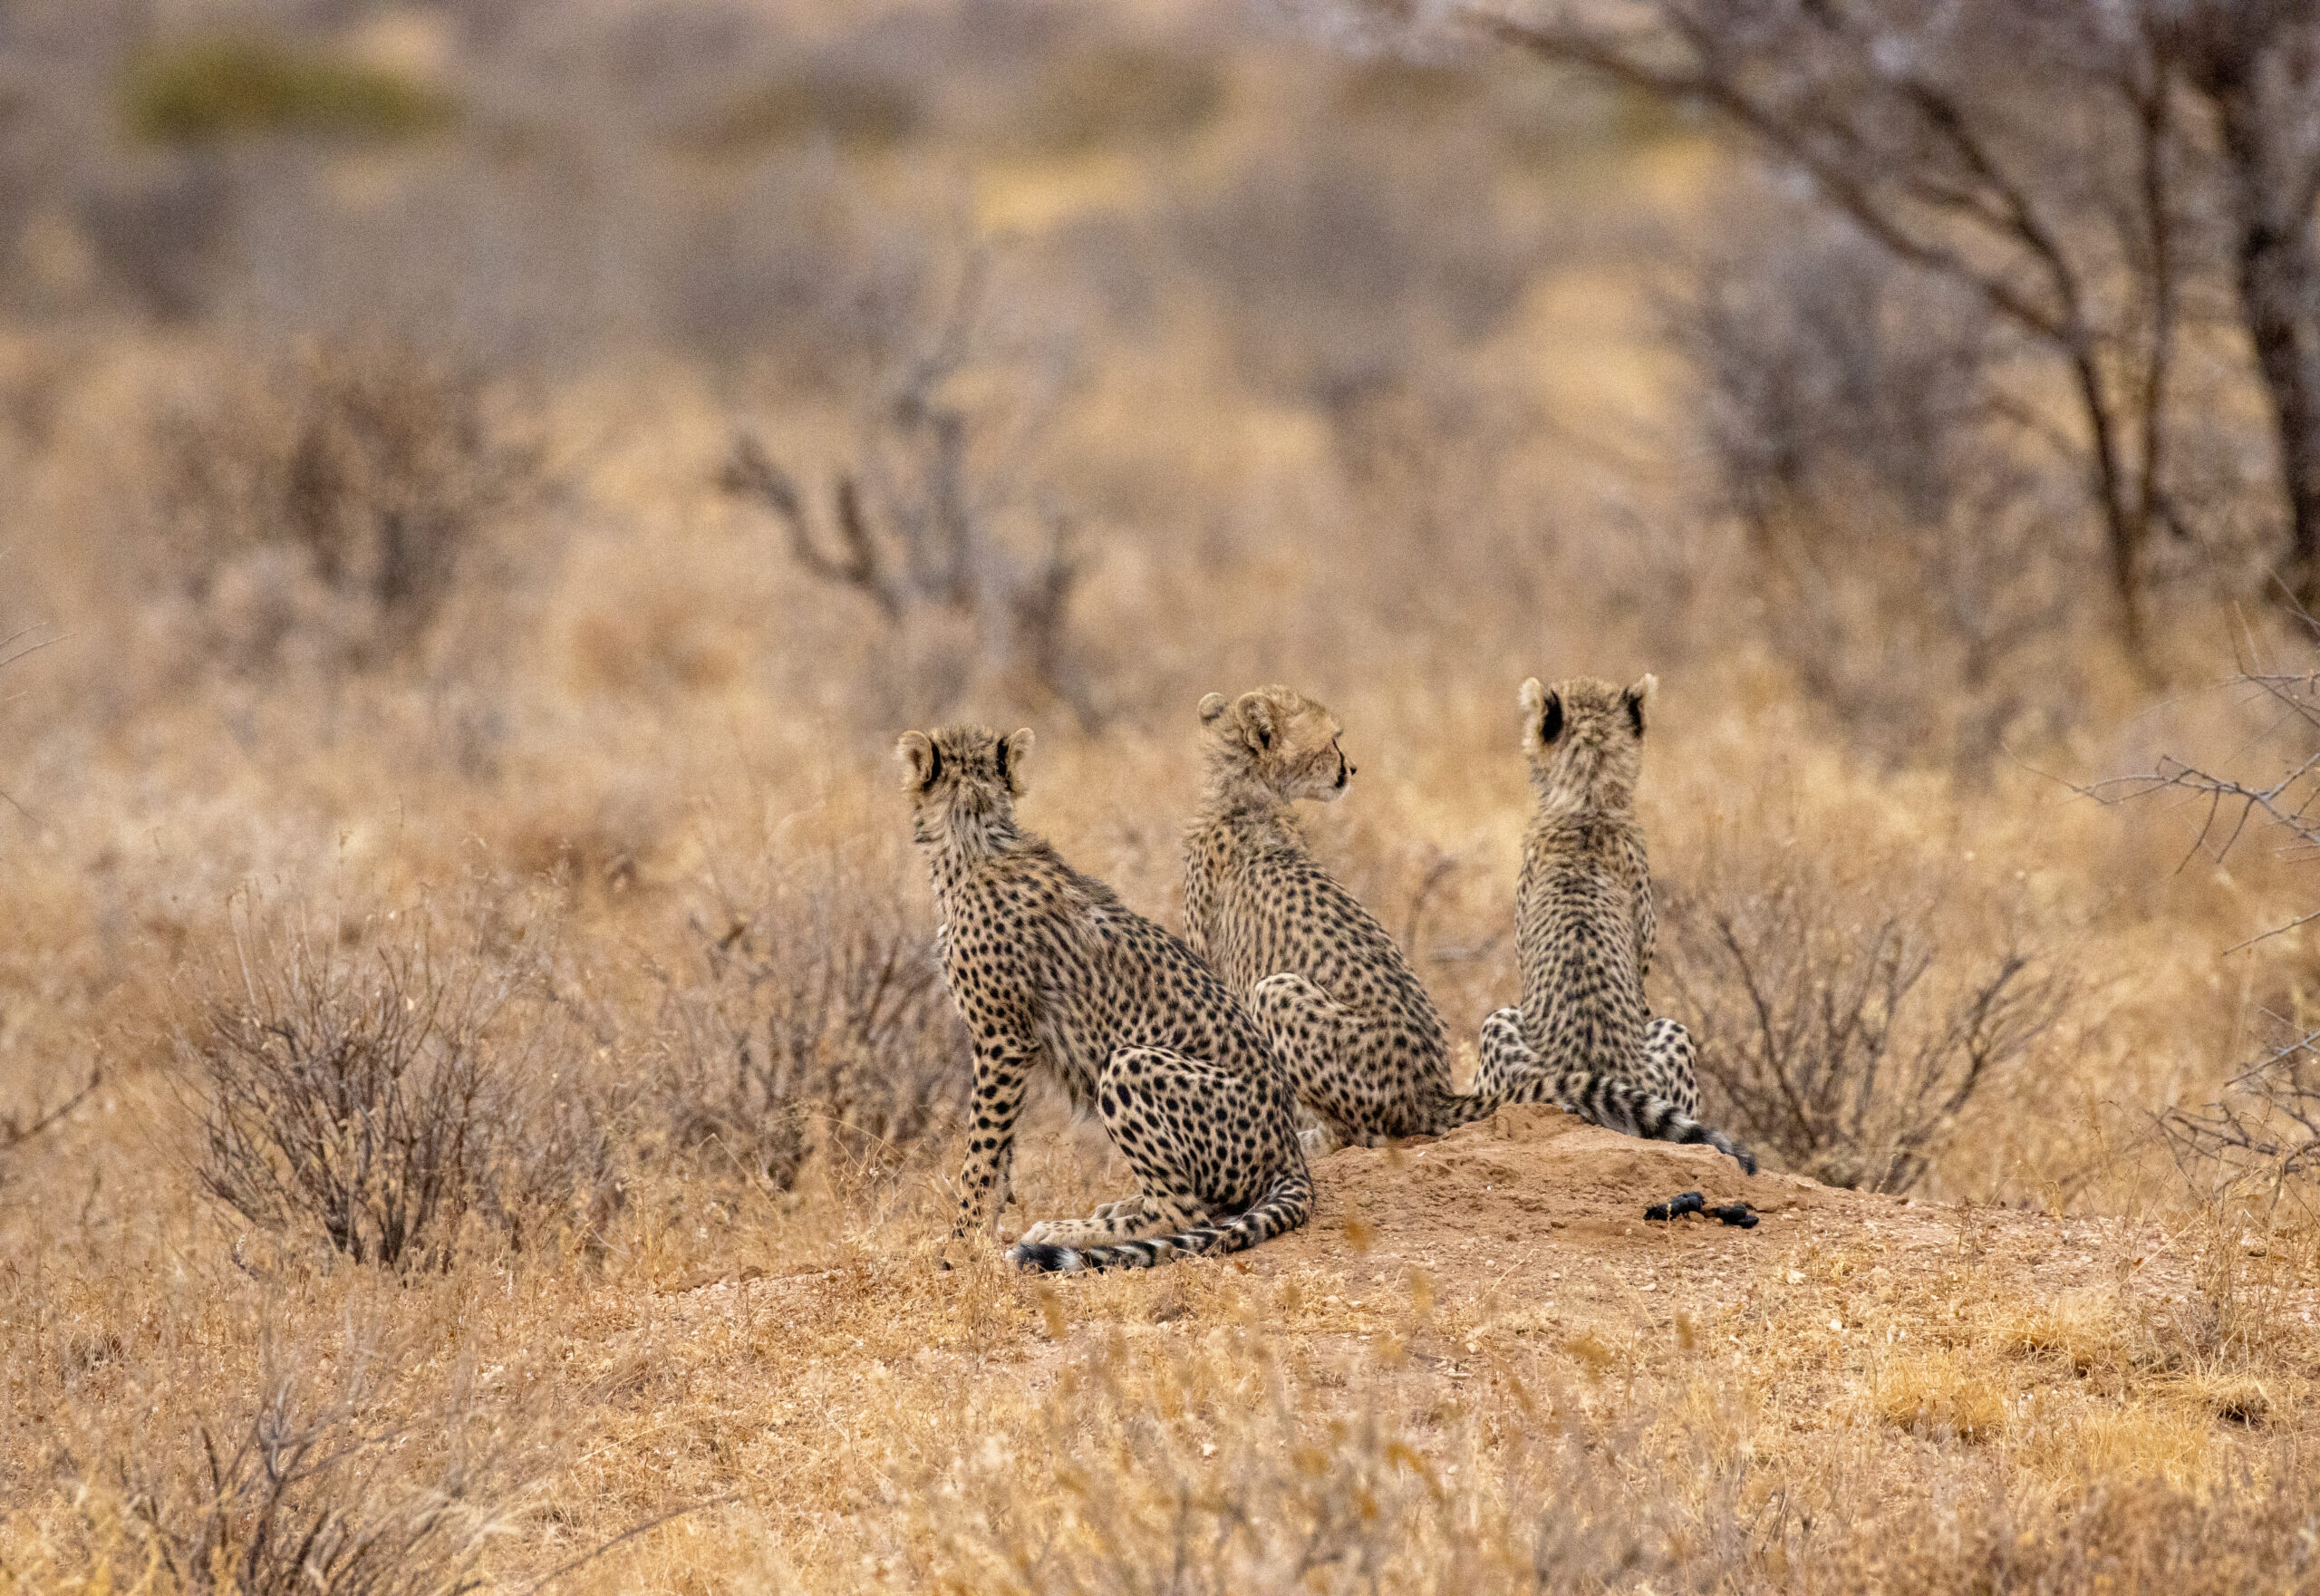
x,y
1585,737
1277,738
961,779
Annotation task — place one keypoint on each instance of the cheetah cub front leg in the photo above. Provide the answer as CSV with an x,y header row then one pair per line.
x,y
1002,1069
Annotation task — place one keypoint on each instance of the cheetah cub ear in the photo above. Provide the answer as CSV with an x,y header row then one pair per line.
x,y
1637,697
1541,716
1255,714
922,760
1211,707
1012,751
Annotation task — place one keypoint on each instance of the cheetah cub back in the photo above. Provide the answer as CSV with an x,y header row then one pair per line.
x,y
1362,1041
1584,929
1050,970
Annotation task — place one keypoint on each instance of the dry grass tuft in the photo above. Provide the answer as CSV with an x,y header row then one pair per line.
x,y
1940,1396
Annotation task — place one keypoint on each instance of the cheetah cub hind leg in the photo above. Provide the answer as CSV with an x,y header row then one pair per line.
x,y
1132,1219
1135,1082
1505,1066
1170,1116
1324,1046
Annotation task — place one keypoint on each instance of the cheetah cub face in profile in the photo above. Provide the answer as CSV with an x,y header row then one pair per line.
x,y
1277,739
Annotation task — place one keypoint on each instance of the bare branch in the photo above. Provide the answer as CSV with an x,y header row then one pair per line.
x,y
750,471
16,1130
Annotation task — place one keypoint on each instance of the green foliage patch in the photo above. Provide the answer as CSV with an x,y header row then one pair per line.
x,y
206,91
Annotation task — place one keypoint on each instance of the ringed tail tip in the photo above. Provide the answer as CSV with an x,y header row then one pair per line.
x,y
1038,1258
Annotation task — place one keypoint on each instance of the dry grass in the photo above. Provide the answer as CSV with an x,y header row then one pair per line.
x,y
627,760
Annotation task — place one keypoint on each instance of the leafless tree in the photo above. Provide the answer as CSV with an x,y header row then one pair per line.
x,y
1924,560
2025,152
2255,64
913,528
2065,162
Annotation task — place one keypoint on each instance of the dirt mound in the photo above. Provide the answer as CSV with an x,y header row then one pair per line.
x,y
1526,1165
1536,1207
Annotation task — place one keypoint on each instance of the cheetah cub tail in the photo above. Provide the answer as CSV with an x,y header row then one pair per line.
x,y
1619,1106
1278,1212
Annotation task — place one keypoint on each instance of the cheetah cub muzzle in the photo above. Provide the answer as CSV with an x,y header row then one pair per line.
x,y
1050,969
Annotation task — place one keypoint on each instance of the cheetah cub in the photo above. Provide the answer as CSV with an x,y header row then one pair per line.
x,y
1049,969
1361,1040
1583,930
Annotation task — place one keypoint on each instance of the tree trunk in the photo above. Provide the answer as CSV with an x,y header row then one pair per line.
x,y
2279,300
2262,94
2126,520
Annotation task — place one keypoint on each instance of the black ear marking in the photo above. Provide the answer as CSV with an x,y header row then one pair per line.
x,y
1003,759
933,766
1634,710
1551,727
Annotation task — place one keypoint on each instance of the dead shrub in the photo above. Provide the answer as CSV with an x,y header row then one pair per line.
x,y
1831,1032
2264,1133
299,1491
385,1094
1338,273
816,1023
1118,95
858,109
200,91
325,512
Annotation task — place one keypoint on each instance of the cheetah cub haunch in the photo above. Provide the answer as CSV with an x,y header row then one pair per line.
x,y
1583,930
1050,969
1362,1041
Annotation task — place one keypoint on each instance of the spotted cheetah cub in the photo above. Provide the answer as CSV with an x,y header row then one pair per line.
x,y
1049,969
1361,1040
1585,927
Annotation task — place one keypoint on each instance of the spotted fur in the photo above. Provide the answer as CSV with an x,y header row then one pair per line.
x,y
1584,928
1050,969
1352,1023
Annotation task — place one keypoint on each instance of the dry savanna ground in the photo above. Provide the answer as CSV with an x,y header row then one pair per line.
x,y
474,1101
